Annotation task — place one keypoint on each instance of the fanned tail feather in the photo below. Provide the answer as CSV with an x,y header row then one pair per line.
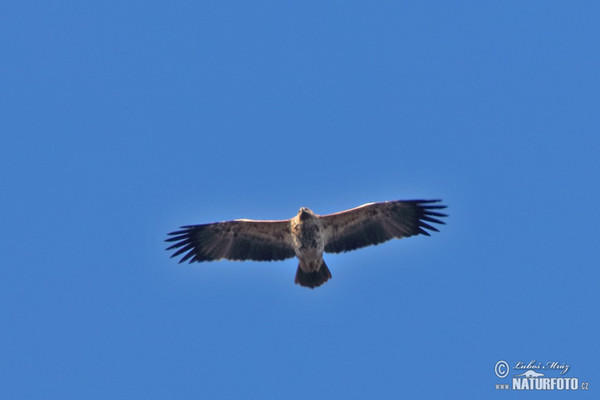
x,y
313,279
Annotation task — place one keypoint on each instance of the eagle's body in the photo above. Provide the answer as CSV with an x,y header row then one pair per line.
x,y
306,236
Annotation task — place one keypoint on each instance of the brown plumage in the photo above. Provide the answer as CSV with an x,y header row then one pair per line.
x,y
306,236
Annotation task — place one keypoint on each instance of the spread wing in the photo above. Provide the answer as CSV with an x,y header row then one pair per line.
x,y
376,223
233,240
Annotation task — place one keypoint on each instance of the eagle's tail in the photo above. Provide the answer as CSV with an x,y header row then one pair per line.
x,y
313,279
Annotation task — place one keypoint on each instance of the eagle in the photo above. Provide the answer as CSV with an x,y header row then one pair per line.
x,y
306,236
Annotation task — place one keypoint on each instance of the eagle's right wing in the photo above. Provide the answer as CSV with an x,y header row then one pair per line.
x,y
376,223
233,240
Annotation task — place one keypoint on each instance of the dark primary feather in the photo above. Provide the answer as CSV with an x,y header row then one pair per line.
x,y
233,240
379,222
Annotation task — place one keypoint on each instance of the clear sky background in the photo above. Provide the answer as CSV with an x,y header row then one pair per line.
x,y
122,120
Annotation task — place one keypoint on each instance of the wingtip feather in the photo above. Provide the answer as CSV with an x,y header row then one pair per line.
x,y
423,232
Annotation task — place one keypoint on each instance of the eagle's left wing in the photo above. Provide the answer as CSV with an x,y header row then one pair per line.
x,y
233,240
376,223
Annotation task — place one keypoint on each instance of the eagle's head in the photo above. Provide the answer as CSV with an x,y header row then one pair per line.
x,y
305,213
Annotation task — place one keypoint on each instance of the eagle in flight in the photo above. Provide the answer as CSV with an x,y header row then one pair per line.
x,y
306,236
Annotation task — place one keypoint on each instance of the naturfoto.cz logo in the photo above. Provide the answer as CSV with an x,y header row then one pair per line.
x,y
532,376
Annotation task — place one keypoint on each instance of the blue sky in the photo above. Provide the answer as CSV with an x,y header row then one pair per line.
x,y
123,120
